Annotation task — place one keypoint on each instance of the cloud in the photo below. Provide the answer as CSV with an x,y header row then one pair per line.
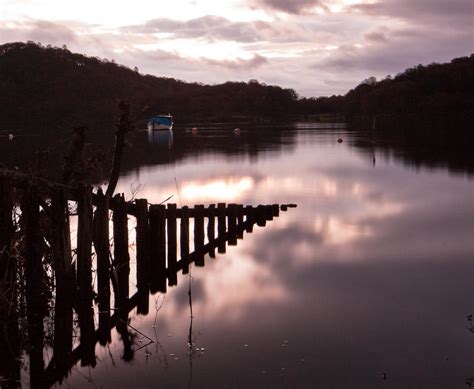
x,y
420,11
207,27
387,51
40,31
255,61
290,7
316,54
376,36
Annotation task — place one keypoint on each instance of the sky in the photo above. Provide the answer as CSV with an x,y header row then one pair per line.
x,y
316,47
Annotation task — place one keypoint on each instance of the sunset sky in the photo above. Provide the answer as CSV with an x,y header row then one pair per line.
x,y
317,47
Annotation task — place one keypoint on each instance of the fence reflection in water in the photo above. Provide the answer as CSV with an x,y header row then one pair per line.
x,y
39,236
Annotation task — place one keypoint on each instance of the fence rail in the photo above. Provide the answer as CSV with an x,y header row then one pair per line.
x,y
163,238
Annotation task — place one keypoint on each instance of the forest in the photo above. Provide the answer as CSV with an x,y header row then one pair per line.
x,y
45,87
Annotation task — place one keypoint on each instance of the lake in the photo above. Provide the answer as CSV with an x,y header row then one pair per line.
x,y
367,283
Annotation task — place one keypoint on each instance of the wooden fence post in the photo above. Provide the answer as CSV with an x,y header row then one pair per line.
x,y
143,256
158,248
184,238
240,221
65,280
121,255
232,223
211,229
261,216
268,212
276,210
199,234
250,218
35,294
172,245
221,227
102,249
84,274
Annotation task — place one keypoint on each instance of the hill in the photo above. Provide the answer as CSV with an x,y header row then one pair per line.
x,y
441,88
44,87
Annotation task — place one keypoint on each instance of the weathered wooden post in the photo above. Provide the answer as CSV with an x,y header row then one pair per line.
x,y
84,242
276,210
199,234
240,221
221,227
250,218
260,215
158,248
102,249
121,255
65,280
172,245
184,238
211,229
35,294
268,212
232,223
84,274
143,256
63,329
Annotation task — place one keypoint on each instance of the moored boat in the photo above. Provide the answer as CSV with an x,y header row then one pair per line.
x,y
161,122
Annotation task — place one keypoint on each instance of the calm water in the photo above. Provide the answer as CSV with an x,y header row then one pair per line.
x,y
371,274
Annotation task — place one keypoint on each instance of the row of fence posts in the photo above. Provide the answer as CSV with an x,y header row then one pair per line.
x,y
157,264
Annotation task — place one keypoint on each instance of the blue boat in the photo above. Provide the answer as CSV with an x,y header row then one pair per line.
x,y
161,122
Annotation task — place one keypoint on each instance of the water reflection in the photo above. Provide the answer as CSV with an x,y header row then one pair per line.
x,y
161,137
251,143
376,262
157,268
371,274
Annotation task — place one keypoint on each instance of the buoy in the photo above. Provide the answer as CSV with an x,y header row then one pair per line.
x,y
194,130
237,130
339,140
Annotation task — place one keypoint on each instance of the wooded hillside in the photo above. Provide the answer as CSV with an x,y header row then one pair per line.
x,y
45,87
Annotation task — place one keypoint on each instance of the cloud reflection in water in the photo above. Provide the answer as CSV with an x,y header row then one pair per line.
x,y
372,272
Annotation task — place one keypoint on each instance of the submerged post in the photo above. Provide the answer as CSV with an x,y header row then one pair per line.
x,y
261,216
121,255
157,249
143,256
221,227
211,229
276,210
232,223
250,218
35,294
268,212
84,274
65,281
184,238
101,244
199,234
172,245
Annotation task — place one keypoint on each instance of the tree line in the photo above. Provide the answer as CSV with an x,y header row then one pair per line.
x,y
44,86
